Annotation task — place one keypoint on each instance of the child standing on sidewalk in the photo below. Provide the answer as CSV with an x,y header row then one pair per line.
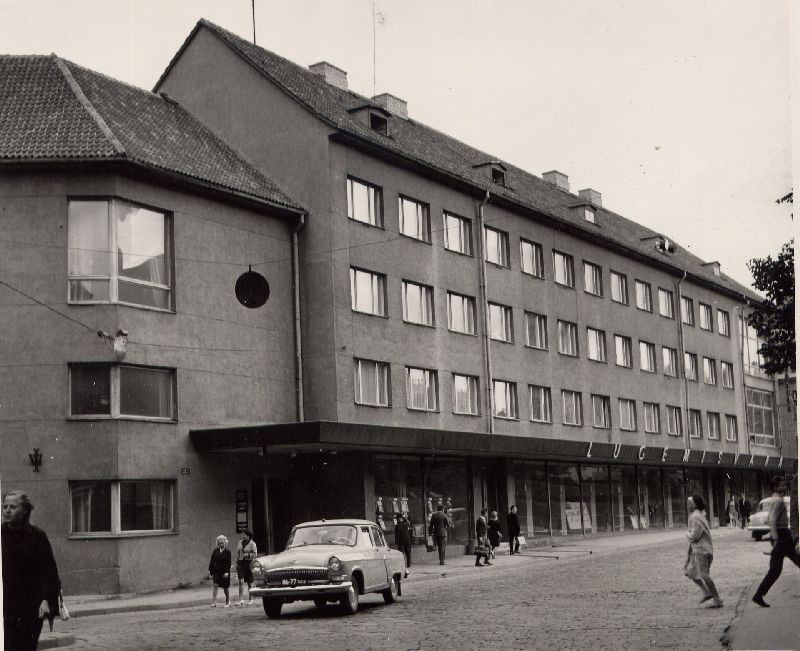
x,y
219,569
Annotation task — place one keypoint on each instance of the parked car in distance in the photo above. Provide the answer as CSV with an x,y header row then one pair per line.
x,y
329,561
758,526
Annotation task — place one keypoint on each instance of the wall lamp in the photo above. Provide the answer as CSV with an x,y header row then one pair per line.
x,y
36,459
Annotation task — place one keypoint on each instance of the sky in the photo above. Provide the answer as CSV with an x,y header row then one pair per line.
x,y
677,111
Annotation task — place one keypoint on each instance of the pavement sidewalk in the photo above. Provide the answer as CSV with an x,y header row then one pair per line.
x,y
775,627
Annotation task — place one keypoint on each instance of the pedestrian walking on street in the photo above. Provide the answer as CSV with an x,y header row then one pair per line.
x,y
438,530
513,530
745,509
494,532
701,551
733,513
482,549
782,543
246,552
30,576
402,537
219,569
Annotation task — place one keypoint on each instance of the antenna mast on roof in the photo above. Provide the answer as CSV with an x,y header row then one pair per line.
x,y
373,47
254,21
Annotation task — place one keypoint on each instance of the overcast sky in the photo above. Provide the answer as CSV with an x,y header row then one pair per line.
x,y
678,112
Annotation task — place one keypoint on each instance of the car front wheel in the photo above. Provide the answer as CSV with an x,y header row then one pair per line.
x,y
272,607
390,594
350,600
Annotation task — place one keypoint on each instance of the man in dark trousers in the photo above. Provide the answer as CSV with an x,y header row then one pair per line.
x,y
438,529
513,530
402,538
745,509
481,546
782,543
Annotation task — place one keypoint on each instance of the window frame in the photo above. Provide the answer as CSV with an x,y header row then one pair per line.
x,y
709,371
545,402
727,377
381,286
536,258
695,424
631,413
469,315
540,320
473,390
677,413
568,269
646,304
464,232
622,285
503,244
715,431
757,436
651,357
627,349
652,411
573,338
380,367
431,378
427,304
600,337
605,411
510,397
576,400
708,311
668,302
423,213
669,358
691,357
378,202
723,322
687,311
507,322
596,278
730,418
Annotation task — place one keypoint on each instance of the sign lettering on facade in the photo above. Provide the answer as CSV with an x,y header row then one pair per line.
x,y
242,500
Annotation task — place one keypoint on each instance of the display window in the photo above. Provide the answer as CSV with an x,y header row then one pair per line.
x,y
596,492
530,495
566,517
651,498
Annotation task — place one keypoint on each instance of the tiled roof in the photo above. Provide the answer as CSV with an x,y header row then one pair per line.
x,y
54,110
431,148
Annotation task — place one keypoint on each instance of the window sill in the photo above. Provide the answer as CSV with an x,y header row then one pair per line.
x,y
503,341
123,534
558,284
511,418
572,424
415,239
645,370
621,429
421,325
498,265
462,253
148,308
623,303
370,225
570,356
421,410
642,309
532,275
380,316
535,347
366,404
630,368
142,419
597,361
542,422
653,433
586,291
665,316
464,413
601,427
708,330
458,332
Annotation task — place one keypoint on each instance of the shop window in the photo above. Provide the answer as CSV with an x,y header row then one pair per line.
x,y
121,507
565,499
364,202
446,484
415,221
399,489
623,498
675,496
530,494
457,234
651,498
596,493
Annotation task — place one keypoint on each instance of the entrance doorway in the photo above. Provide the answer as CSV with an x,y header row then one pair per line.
x,y
280,513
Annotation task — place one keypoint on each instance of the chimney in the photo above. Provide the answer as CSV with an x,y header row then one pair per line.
x,y
592,196
558,179
330,73
394,105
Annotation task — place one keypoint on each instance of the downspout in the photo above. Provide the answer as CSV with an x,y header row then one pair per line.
x,y
742,325
298,333
682,342
485,310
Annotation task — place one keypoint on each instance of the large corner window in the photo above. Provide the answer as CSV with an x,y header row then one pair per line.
x,y
122,391
760,424
121,507
119,252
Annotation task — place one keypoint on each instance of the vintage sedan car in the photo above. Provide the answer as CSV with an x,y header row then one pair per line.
x,y
329,561
759,525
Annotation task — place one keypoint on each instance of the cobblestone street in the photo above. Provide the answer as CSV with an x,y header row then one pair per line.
x,y
631,598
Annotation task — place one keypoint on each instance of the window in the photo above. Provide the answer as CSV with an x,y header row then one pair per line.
x,y
531,258
647,356
505,399
588,214
727,374
422,391
465,394
378,123
706,317
674,421
759,416
536,330
122,391
619,288
415,219
752,359
371,383
116,507
601,411
596,344
652,418
457,234
119,253
731,428
500,322
687,311
669,358
627,415
644,298
665,305
690,366
498,176
713,425
460,313
563,269
364,203
572,407
540,404
623,351
724,323
695,424
417,303
592,278
496,244
567,338
367,292
709,371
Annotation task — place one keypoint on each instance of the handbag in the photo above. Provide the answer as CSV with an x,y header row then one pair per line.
x,y
429,543
63,613
689,568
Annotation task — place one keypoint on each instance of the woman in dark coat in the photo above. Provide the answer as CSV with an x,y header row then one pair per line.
x,y
513,530
219,569
494,532
30,575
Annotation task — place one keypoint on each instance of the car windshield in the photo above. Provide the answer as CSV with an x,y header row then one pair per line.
x,y
341,534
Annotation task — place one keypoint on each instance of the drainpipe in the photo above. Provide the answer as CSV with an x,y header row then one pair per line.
x,y
682,342
485,310
298,336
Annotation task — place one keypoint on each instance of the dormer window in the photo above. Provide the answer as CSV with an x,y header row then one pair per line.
x,y
588,214
494,170
499,176
379,123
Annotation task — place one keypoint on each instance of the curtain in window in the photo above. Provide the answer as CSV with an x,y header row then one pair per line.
x,y
81,509
160,501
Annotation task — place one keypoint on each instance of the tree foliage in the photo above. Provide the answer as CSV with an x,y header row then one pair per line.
x,y
773,318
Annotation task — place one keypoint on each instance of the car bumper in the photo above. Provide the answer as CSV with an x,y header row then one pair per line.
x,y
302,591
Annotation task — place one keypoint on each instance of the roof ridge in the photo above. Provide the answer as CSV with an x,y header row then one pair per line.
x,y
84,101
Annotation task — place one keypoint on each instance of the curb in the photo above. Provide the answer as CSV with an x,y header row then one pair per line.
x,y
88,612
55,640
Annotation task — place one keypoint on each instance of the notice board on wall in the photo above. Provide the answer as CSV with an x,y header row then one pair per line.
x,y
242,499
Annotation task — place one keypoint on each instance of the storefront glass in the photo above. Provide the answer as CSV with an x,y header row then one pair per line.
x,y
752,487
530,493
651,498
446,483
675,505
398,489
565,499
596,499
623,498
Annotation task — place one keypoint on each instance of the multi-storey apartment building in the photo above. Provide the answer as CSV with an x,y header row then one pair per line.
x,y
474,334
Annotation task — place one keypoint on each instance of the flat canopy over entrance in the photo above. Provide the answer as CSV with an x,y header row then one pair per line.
x,y
329,435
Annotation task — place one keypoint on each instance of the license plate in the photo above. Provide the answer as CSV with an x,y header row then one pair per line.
x,y
293,582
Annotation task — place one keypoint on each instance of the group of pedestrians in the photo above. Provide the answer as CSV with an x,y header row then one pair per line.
x,y
488,535
739,512
219,568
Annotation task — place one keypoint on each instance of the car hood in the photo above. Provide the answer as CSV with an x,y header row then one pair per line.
x,y
309,555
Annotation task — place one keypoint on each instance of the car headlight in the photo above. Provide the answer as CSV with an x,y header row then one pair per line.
x,y
257,569
334,564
